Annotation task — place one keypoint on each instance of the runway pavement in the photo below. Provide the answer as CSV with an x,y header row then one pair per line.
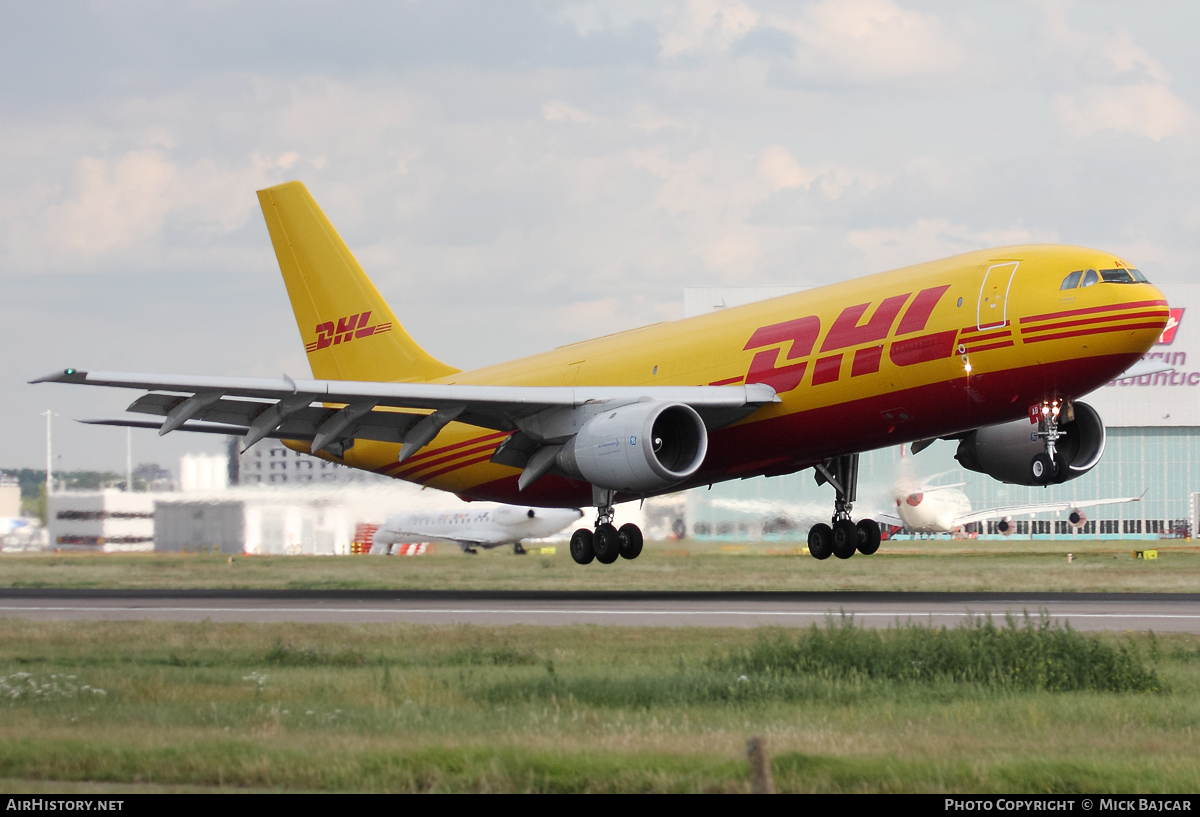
x,y
1168,612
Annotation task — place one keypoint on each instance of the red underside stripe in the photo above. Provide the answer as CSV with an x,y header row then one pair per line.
x,y
456,466
407,472
1077,333
423,457
1049,327
1091,310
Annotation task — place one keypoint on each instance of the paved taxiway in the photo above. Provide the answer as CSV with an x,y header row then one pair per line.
x,y
1175,612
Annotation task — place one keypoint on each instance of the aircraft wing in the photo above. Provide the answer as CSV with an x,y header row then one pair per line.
x,y
889,519
1145,367
407,413
1039,507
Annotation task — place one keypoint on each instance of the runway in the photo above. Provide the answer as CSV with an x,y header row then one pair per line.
x,y
1176,612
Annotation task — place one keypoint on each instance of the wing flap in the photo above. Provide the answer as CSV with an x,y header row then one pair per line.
x,y
284,408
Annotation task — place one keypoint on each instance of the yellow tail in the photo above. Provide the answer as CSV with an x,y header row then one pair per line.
x,y
348,330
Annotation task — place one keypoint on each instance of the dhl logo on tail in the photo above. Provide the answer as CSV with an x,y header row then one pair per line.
x,y
345,330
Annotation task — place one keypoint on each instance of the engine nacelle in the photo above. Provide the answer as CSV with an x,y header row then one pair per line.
x,y
637,447
1006,527
1076,518
1007,452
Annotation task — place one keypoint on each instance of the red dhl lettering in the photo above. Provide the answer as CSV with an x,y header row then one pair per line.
x,y
345,330
802,333
923,349
847,330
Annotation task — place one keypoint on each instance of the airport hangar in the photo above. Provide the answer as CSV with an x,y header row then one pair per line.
x,y
1153,445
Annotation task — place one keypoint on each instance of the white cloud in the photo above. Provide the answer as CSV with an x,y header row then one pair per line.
x,y
117,208
703,25
929,239
1110,82
1146,110
780,171
871,42
558,111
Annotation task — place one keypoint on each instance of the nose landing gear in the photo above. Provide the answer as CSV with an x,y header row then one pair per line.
x,y
607,542
844,537
1046,468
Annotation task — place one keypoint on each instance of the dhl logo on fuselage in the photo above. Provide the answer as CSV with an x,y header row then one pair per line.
x,y
847,332
908,347
345,330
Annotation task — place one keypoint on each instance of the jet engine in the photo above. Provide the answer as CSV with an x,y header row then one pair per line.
x,y
1076,518
1006,526
1013,453
637,447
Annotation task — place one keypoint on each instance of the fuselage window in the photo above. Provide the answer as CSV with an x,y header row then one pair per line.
x,y
1072,280
1090,277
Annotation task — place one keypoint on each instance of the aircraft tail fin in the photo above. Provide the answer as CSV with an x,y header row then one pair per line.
x,y
348,329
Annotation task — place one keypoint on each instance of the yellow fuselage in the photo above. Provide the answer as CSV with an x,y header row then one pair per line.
x,y
923,351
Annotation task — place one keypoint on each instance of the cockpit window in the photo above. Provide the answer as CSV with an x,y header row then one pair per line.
x,y
1122,276
1072,280
1090,277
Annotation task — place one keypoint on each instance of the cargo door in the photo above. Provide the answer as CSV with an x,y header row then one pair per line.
x,y
992,311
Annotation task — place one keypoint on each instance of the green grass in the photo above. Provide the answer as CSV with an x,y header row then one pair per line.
x,y
945,565
374,707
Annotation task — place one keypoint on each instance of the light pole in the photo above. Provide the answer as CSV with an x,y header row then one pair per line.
x,y
49,485
128,460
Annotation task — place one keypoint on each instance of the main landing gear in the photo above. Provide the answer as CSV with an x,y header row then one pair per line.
x,y
844,537
608,542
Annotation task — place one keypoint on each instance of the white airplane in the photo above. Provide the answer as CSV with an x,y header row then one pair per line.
x,y
12,524
945,509
482,525
924,508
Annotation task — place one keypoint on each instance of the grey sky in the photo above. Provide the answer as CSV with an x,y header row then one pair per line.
x,y
520,175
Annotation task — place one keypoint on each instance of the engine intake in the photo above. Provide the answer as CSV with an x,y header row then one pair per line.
x,y
1012,453
637,447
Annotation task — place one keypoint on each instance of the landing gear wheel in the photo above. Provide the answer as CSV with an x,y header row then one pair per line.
x,y
582,549
820,541
845,539
868,536
1043,470
631,540
607,544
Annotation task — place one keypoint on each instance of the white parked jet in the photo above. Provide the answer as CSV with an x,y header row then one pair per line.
x,y
944,509
481,525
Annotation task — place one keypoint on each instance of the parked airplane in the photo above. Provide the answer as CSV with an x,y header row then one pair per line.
x,y
944,509
485,527
988,348
924,509
12,524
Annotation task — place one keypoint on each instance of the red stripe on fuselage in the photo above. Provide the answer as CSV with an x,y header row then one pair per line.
x,y
1096,331
1049,316
1050,327
985,347
979,338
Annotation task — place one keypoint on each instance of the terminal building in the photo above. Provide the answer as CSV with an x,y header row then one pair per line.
x,y
1153,448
